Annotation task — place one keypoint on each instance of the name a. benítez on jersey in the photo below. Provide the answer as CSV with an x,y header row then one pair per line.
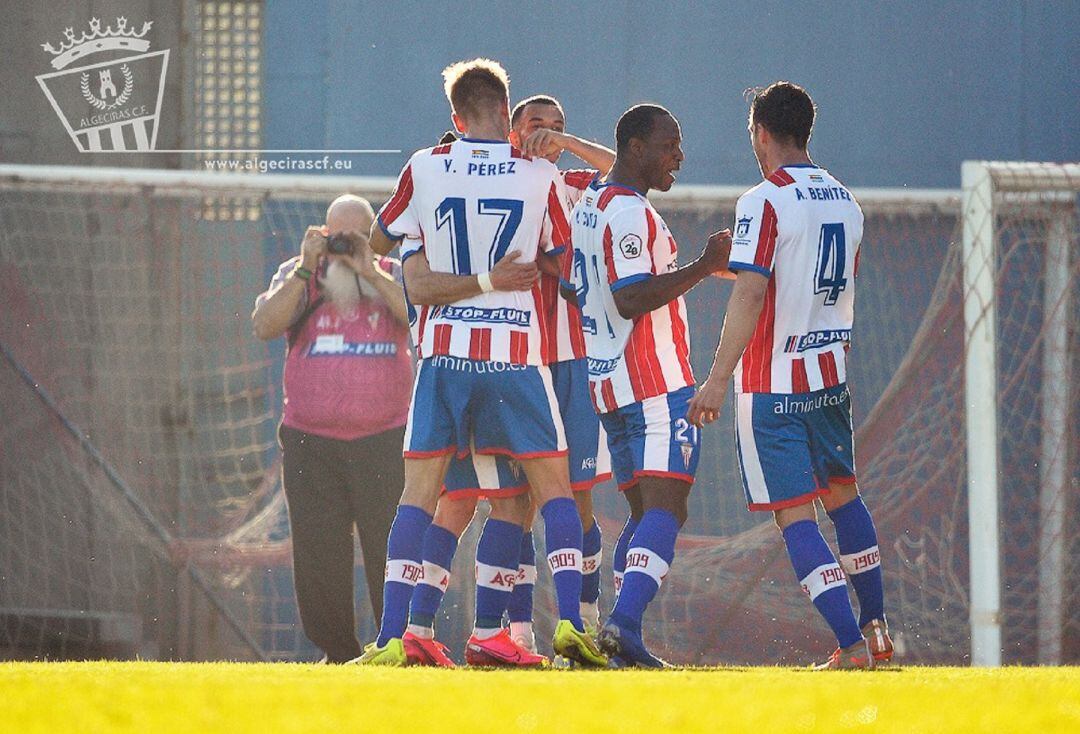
x,y
823,193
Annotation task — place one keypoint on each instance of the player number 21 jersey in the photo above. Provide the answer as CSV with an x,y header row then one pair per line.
x,y
468,204
801,228
619,240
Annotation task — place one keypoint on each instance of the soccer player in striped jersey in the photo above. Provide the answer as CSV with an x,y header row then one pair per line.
x,y
629,287
481,385
785,341
537,124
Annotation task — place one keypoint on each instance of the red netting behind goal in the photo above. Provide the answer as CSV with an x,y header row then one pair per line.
x,y
129,306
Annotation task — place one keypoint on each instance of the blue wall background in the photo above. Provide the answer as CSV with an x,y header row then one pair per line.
x,y
906,91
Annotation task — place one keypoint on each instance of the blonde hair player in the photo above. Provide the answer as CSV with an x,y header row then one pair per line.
x,y
482,385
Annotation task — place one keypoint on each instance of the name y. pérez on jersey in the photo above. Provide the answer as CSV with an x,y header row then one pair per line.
x,y
482,169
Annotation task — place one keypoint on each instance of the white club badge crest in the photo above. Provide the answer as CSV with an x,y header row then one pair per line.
x,y
114,102
687,454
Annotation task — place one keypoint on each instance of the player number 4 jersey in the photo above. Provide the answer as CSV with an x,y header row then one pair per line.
x,y
467,204
801,228
619,239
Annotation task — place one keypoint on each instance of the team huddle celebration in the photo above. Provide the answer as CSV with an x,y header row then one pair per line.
x,y
539,314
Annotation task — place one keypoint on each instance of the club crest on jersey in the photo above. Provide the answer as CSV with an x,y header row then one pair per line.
x,y
687,450
630,246
743,227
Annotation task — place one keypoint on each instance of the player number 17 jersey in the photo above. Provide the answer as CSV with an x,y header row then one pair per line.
x,y
468,204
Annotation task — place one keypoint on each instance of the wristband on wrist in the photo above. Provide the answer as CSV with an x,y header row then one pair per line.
x,y
485,282
302,273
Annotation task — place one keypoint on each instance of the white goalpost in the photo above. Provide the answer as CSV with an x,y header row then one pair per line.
x,y
989,190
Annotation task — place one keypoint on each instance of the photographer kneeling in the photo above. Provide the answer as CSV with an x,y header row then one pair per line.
x,y
347,382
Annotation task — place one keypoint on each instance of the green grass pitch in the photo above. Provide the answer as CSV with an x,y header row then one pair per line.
x,y
235,698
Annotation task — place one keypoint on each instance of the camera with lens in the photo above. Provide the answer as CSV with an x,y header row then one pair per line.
x,y
339,244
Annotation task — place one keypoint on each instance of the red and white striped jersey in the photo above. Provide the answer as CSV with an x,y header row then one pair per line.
x,y
619,239
469,203
802,229
563,320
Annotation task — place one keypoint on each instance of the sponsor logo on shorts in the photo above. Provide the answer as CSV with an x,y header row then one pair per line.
x,y
792,405
589,462
460,364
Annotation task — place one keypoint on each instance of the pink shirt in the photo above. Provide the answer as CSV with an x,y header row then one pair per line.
x,y
347,375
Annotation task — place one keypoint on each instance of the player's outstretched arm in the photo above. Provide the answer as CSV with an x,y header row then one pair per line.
x,y
638,299
544,142
429,288
743,309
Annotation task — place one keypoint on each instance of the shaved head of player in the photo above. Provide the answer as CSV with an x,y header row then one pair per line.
x,y
630,288
648,148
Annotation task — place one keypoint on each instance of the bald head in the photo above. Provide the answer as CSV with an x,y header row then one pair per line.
x,y
349,214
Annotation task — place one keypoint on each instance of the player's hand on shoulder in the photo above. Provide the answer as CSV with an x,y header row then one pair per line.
x,y
544,142
706,404
510,275
717,252
313,246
